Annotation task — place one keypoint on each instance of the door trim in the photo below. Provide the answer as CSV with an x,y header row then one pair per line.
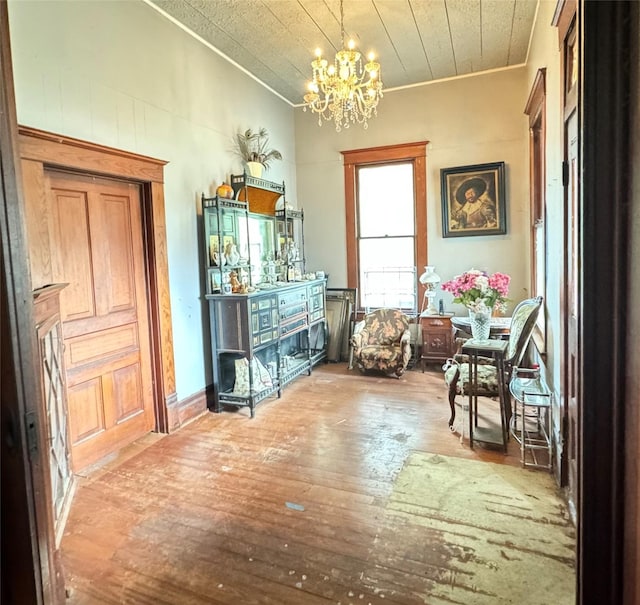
x,y
609,39
31,565
40,150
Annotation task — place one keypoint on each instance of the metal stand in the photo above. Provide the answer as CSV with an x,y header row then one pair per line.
x,y
531,419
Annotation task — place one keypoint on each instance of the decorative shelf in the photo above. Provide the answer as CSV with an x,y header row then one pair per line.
x,y
261,194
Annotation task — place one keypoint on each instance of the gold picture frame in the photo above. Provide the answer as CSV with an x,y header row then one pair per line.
x,y
473,200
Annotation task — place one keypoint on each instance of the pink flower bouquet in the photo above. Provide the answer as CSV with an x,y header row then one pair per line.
x,y
479,291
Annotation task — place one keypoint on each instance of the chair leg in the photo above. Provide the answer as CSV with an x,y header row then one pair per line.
x,y
452,404
452,397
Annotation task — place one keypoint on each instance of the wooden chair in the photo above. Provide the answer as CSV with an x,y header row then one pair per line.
x,y
456,375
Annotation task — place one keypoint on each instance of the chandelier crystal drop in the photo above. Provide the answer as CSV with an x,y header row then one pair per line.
x,y
344,91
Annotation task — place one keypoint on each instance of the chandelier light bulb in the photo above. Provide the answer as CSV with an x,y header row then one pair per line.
x,y
351,45
318,53
371,56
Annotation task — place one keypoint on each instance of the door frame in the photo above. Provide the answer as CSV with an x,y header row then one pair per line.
x,y
31,564
607,555
39,151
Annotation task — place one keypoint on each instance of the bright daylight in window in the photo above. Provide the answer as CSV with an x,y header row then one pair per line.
x,y
386,236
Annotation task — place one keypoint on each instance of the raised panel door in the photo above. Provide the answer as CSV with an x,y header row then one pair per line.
x,y
98,250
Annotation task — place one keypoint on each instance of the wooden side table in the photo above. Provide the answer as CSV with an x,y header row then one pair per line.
x,y
437,341
497,350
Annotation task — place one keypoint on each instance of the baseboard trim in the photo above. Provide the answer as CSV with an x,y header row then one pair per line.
x,y
187,409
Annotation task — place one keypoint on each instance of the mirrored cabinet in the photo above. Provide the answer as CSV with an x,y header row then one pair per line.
x,y
226,241
267,317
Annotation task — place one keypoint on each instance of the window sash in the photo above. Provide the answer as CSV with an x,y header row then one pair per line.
x,y
416,154
386,236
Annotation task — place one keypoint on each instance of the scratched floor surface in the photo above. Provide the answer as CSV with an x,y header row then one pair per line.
x,y
311,502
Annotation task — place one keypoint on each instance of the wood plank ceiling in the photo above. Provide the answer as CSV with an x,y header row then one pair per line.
x,y
416,41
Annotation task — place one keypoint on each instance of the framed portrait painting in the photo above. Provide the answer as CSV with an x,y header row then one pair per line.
x,y
473,200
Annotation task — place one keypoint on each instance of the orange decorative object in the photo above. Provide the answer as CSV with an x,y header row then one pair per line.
x,y
225,191
236,286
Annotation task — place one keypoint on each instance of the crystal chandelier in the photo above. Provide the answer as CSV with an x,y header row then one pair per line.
x,y
344,91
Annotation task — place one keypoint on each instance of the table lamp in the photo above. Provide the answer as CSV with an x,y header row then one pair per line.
x,y
430,280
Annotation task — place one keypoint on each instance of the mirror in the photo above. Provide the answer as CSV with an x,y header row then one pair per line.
x,y
261,247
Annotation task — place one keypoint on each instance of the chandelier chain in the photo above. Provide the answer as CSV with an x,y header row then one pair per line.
x,y
342,23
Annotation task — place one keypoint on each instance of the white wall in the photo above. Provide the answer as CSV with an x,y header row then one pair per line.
x,y
120,74
469,120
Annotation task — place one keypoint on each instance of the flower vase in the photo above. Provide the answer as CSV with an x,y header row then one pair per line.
x,y
254,169
480,323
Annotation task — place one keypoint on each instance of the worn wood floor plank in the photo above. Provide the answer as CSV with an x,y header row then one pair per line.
x,y
288,508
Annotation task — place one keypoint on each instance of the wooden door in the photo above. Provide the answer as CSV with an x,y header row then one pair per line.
x,y
98,251
572,392
572,299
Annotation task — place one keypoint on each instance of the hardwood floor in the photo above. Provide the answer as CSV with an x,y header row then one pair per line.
x,y
282,509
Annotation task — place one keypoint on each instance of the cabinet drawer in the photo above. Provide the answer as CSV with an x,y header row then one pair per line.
x,y
435,322
292,311
293,326
292,298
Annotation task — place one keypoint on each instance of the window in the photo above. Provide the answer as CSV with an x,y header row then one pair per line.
x,y
385,197
386,246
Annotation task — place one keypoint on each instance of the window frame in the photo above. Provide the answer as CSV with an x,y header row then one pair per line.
x,y
536,111
415,153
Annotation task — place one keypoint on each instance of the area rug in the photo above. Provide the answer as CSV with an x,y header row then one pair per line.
x,y
480,533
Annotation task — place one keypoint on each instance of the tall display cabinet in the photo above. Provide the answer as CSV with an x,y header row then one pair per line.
x,y
267,315
46,308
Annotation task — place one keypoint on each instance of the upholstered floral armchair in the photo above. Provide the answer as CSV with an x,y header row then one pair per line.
x,y
381,342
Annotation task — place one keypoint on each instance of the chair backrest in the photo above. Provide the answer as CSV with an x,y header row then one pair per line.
x,y
523,321
385,326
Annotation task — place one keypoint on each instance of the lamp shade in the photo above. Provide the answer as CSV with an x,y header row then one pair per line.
x,y
429,276
430,280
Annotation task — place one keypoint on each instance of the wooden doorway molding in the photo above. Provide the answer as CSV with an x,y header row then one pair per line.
x,y
40,150
31,566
